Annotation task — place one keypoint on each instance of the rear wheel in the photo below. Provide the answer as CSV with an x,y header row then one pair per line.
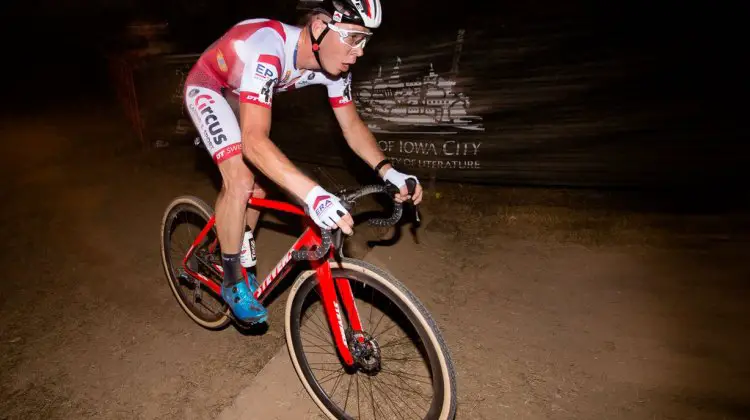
x,y
403,368
183,220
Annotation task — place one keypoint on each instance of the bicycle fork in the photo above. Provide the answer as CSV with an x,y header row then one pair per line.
x,y
328,287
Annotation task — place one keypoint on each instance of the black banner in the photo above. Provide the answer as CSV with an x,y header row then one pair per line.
x,y
575,100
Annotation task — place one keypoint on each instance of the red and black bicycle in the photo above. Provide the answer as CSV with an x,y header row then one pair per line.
x,y
362,344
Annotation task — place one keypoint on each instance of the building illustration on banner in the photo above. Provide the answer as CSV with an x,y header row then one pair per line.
x,y
422,104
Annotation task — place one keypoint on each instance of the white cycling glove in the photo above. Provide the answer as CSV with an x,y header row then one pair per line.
x,y
397,178
324,208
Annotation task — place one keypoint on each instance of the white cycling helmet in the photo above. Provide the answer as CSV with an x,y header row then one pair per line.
x,y
367,13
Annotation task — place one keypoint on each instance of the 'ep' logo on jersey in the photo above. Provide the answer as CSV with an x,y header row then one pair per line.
x,y
263,71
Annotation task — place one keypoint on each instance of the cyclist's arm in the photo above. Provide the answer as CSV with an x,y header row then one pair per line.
x,y
324,208
262,59
359,137
255,122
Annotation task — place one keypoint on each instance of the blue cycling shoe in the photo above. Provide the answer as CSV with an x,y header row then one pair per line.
x,y
243,304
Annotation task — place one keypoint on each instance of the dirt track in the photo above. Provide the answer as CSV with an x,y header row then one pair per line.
x,y
539,328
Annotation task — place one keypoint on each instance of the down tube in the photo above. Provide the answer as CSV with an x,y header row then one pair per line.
x,y
333,310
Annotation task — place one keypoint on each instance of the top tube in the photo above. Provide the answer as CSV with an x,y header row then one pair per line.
x,y
276,205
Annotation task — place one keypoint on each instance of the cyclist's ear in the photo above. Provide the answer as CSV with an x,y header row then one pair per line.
x,y
318,24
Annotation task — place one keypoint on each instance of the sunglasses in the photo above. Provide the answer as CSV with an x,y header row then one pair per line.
x,y
351,37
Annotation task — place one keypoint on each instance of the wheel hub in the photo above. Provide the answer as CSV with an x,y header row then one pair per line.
x,y
365,351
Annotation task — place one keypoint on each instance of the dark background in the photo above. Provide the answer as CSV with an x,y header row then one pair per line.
x,y
578,94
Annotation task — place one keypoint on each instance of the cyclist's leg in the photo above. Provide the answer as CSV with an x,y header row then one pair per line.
x,y
220,132
252,215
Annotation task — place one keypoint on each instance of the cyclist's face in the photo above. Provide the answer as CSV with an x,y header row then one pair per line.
x,y
343,44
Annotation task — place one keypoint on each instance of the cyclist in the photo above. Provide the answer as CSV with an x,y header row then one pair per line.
x,y
254,60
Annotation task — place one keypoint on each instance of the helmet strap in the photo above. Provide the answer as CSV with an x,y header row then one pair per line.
x,y
316,43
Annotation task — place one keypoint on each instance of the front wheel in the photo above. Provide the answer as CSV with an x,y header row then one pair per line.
x,y
403,369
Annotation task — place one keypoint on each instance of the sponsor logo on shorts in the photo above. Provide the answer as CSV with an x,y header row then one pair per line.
x,y
209,119
227,152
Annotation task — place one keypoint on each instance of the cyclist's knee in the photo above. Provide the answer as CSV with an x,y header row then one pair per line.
x,y
239,187
237,179
258,191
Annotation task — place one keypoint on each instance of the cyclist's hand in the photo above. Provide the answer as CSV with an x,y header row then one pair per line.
x,y
398,179
327,212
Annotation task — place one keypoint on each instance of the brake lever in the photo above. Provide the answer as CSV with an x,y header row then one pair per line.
x,y
337,238
338,243
411,187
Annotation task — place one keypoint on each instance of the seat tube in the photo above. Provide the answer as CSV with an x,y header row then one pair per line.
x,y
201,235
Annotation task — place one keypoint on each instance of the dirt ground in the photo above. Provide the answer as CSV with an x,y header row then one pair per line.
x,y
543,328
553,304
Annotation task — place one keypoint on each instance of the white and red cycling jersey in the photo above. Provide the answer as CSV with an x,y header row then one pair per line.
x,y
256,59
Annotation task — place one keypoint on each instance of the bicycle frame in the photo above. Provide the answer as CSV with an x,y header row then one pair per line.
x,y
327,285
